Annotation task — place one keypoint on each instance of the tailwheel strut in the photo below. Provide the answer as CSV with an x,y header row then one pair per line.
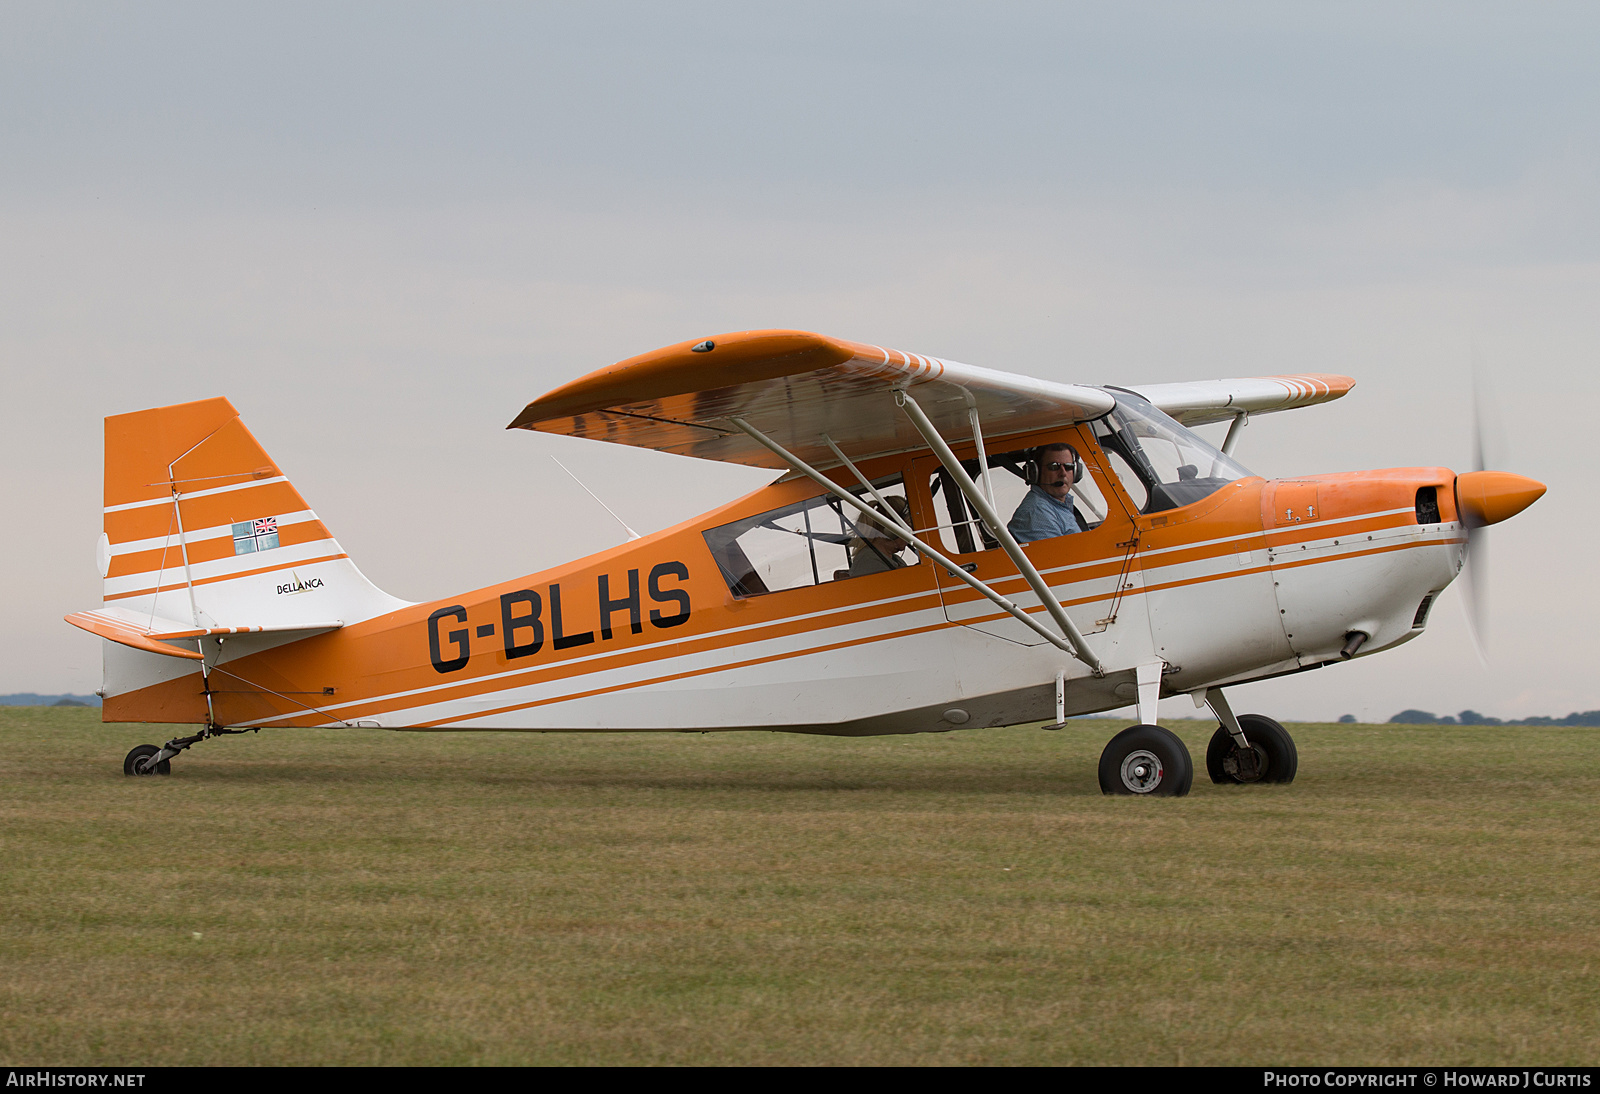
x,y
151,760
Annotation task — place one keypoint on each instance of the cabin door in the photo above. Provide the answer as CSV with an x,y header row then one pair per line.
x,y
1093,571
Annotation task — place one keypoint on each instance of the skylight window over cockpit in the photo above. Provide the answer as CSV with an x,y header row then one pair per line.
x,y
1161,464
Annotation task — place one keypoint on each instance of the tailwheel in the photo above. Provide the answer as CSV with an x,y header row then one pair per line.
x,y
138,762
1275,759
1146,760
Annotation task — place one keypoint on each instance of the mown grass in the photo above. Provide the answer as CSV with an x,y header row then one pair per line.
x,y
1421,895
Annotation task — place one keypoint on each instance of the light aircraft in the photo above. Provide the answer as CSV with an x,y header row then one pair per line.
x,y
872,588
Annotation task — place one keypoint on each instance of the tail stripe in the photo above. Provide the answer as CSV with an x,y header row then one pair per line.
x,y
177,572
221,548
231,565
200,535
187,494
209,512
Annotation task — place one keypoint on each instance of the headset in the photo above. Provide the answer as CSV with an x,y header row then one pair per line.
x,y
1032,470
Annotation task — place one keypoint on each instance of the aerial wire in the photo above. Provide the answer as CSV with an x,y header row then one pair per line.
x,y
631,533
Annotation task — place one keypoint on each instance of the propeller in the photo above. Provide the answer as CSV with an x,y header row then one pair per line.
x,y
1476,565
1485,497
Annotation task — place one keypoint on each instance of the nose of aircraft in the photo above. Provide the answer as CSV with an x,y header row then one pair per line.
x,y
1489,497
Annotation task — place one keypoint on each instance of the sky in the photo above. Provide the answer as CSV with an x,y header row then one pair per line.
x,y
381,229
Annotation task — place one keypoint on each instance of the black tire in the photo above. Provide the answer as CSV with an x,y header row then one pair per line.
x,y
1279,759
143,752
1120,763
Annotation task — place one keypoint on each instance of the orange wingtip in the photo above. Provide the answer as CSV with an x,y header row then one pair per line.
x,y
1318,386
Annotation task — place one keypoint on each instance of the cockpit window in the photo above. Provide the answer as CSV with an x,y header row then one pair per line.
x,y
1162,464
960,529
811,542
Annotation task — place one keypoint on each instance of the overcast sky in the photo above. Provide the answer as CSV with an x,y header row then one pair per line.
x,y
381,229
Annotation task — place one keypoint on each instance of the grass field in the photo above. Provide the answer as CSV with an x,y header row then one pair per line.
x,y
1421,895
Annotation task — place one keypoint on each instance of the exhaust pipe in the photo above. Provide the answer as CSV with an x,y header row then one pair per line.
x,y
1352,643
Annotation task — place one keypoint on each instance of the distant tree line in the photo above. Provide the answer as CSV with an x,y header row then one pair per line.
x,y
1473,718
34,699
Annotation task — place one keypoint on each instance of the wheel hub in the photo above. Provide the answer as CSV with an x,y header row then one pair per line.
x,y
1247,767
1142,771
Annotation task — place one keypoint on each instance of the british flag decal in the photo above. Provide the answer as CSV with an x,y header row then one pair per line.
x,y
250,536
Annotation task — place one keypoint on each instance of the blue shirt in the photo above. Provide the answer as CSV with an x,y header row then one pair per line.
x,y
1040,517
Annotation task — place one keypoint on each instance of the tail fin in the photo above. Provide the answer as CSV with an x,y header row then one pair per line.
x,y
205,535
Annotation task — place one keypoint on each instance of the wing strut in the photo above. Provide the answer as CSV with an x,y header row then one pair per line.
x,y
977,440
1036,580
892,524
1240,420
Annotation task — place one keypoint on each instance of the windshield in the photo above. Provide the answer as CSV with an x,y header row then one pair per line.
x,y
1161,464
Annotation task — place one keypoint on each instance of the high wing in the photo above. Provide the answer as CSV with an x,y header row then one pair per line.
x,y
797,387
1201,401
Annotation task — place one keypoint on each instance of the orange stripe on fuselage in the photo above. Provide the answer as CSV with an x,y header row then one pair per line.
x,y
1279,564
387,658
690,674
584,664
502,684
723,639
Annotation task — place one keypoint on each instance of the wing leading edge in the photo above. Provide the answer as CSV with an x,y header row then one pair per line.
x,y
797,387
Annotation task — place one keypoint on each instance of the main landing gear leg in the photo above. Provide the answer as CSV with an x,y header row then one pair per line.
x,y
1251,748
1147,759
150,760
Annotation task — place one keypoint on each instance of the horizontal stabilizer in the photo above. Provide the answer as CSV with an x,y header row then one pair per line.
x,y
152,633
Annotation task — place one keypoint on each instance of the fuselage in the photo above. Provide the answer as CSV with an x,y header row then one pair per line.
x,y
668,632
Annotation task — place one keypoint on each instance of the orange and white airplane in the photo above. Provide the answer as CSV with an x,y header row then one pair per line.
x,y
874,587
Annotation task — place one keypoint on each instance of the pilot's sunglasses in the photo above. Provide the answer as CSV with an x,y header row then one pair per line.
x,y
1058,467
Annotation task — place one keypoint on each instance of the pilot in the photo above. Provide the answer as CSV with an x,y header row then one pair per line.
x,y
1046,510
874,548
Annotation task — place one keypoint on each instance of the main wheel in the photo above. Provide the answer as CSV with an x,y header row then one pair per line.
x,y
1276,757
1146,760
133,764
